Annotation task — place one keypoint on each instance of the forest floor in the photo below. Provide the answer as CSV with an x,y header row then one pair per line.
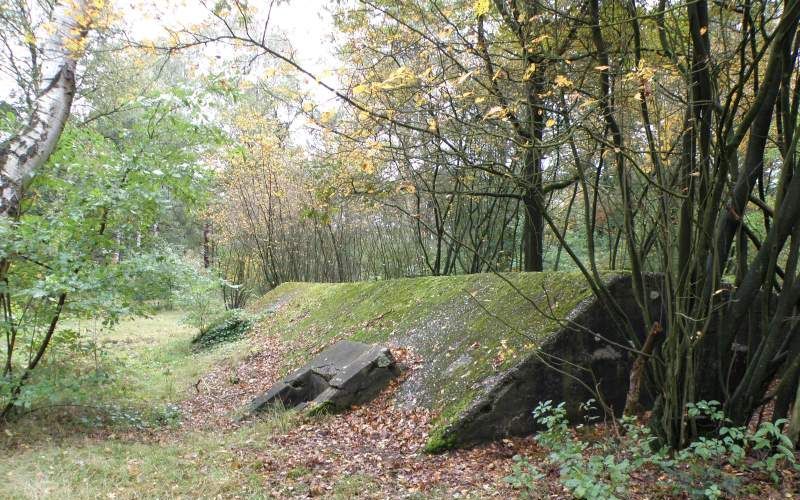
x,y
165,426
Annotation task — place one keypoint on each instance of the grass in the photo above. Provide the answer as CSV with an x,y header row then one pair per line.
x,y
130,376
47,455
207,465
354,486
152,361
160,359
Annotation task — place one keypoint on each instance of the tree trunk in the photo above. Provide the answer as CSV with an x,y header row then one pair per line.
x,y
794,422
24,153
533,197
533,230
532,235
206,245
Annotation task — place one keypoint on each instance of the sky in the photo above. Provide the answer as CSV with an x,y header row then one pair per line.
x,y
306,23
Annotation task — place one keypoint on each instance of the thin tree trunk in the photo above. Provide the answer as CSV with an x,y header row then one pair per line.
x,y
206,245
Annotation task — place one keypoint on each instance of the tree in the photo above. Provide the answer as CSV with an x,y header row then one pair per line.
x,y
85,241
56,61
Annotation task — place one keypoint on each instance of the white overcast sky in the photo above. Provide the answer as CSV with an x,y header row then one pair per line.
x,y
307,24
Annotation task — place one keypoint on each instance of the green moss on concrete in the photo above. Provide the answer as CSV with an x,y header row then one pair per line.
x,y
465,328
439,441
440,438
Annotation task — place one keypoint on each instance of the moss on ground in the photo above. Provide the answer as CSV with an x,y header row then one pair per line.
x,y
228,327
465,328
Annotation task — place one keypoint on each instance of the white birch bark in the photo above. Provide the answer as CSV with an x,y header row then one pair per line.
x,y
25,152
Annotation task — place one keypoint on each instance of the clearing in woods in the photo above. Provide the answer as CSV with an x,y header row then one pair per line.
x,y
154,417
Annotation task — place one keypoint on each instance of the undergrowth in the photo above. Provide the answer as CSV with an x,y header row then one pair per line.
x,y
710,468
230,326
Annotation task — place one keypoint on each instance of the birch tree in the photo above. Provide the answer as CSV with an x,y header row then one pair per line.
x,y
25,152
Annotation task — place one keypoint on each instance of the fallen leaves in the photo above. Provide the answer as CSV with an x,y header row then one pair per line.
x,y
375,449
382,440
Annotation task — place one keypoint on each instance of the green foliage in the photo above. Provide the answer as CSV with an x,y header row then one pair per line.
x,y
603,469
524,475
770,447
227,327
600,475
90,242
198,294
9,121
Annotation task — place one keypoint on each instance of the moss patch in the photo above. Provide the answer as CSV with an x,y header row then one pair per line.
x,y
231,326
466,329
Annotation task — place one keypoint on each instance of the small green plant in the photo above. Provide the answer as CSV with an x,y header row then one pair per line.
x,y
168,415
771,447
603,469
596,475
227,327
524,475
774,448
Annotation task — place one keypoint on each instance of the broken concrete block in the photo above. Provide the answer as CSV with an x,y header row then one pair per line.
x,y
343,375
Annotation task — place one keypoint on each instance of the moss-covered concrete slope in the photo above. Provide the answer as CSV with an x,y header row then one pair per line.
x,y
488,343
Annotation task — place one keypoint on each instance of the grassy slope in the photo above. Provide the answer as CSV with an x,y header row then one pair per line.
x,y
465,328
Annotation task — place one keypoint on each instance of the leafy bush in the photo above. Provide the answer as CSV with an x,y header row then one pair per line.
x,y
198,295
602,469
227,327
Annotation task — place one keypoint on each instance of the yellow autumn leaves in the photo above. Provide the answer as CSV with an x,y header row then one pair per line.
x,y
399,78
79,17
481,7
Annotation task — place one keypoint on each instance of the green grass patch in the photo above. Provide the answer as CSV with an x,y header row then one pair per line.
x,y
157,362
195,465
129,376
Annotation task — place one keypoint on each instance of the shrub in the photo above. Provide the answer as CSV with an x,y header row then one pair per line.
x,y
602,469
227,327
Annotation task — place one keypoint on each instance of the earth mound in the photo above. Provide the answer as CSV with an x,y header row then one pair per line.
x,y
491,347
